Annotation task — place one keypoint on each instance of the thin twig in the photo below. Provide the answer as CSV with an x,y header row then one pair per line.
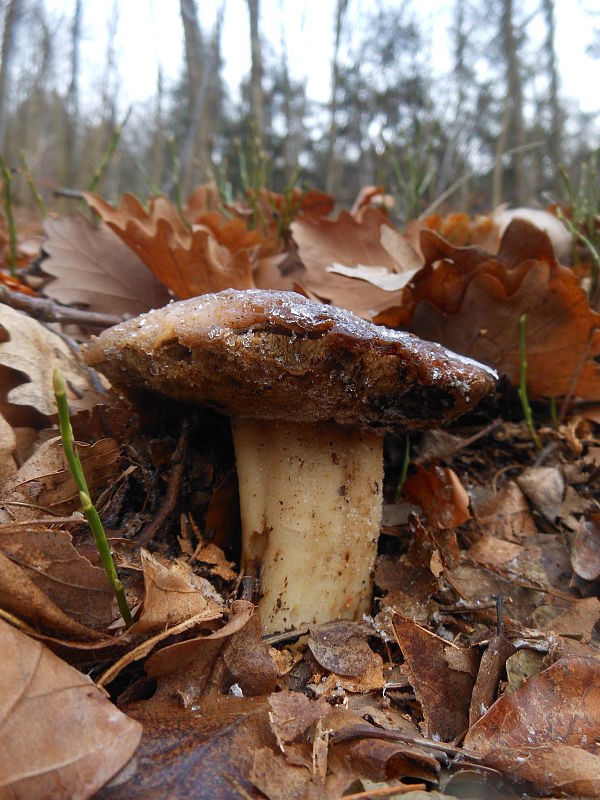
x,y
387,791
170,499
43,309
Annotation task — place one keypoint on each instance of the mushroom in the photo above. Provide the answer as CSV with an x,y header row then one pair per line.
x,y
311,390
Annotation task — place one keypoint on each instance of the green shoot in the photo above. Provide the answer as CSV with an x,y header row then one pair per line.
x,y
594,254
523,387
70,449
108,153
404,469
31,183
12,228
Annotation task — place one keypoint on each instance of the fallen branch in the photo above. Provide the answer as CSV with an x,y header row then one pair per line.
x,y
43,309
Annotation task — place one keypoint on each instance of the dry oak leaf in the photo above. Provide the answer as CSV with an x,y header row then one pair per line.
x,y
47,556
44,483
26,601
92,266
323,243
442,676
207,753
189,262
29,352
59,736
472,301
546,731
173,594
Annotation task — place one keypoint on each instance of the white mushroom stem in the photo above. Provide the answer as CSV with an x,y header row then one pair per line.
x,y
310,499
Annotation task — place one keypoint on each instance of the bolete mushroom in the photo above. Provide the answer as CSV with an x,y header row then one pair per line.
x,y
311,390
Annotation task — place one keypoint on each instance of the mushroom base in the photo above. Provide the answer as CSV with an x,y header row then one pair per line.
x,y
310,499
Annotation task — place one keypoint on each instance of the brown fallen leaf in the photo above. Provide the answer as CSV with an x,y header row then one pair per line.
x,y
8,445
471,301
29,352
40,695
173,594
545,488
491,667
440,494
322,243
546,731
341,647
207,752
48,558
505,515
277,779
292,713
20,597
585,550
92,266
442,676
190,262
212,664
44,484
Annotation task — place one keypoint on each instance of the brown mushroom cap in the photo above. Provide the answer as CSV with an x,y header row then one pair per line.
x,y
272,355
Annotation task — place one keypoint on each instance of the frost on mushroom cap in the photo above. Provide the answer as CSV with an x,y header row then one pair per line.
x,y
271,355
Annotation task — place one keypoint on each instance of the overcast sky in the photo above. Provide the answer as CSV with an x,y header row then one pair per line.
x,y
150,32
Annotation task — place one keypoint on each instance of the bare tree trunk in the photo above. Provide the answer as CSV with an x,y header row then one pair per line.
x,y
201,71
256,90
71,138
500,148
11,17
158,140
556,115
340,12
515,100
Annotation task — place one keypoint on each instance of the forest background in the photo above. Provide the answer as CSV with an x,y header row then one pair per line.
x,y
492,125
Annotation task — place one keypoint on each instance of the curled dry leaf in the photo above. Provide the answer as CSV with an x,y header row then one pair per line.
x,y
535,732
442,676
341,647
207,753
40,695
44,484
585,550
92,266
233,654
472,301
49,560
292,713
322,243
440,494
189,262
26,601
29,352
174,594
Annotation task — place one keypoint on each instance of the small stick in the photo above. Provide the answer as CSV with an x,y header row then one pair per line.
x,y
47,311
387,791
170,499
72,456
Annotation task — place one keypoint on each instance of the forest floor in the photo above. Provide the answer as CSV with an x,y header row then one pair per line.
x,y
476,673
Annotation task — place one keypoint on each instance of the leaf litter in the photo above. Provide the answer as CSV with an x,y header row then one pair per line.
x,y
479,664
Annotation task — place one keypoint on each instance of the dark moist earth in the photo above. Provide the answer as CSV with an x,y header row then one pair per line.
x,y
275,355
